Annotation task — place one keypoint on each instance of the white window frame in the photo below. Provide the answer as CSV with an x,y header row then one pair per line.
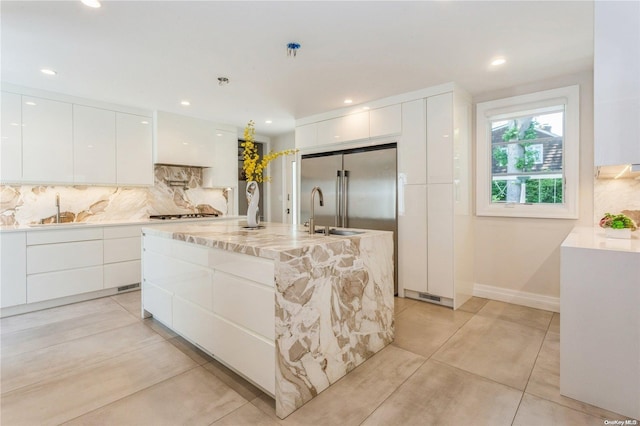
x,y
494,110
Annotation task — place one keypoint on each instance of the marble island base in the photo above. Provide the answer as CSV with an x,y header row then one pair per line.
x,y
292,313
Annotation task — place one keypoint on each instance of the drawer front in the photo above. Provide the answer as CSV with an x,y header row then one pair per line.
x,y
195,323
63,283
122,249
244,266
250,354
191,282
122,231
63,235
121,274
177,249
157,302
245,303
63,256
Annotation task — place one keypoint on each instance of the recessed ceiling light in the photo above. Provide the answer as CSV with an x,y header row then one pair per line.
x,y
218,134
47,71
268,121
366,108
498,61
144,122
348,101
91,3
30,103
185,103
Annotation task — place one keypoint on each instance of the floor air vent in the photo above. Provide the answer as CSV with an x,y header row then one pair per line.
x,y
428,297
128,287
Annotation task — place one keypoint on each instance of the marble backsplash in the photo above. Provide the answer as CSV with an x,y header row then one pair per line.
x,y
615,195
28,204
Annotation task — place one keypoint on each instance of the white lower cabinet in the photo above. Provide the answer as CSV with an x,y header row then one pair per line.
x,y
412,240
219,300
122,245
53,285
63,263
440,257
600,321
13,269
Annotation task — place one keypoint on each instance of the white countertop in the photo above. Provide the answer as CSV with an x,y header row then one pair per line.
x,y
593,237
124,222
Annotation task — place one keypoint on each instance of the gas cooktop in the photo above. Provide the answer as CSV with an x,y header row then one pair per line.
x,y
182,216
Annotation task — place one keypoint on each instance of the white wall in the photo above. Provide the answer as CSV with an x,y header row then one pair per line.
x,y
277,171
523,255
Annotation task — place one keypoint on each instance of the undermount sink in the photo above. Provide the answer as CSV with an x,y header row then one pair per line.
x,y
342,232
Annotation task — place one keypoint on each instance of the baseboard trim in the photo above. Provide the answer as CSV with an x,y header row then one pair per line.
x,y
523,298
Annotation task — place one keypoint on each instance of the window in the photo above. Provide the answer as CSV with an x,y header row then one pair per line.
x,y
527,155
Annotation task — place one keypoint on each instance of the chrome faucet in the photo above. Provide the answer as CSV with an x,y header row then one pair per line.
x,y
312,226
57,207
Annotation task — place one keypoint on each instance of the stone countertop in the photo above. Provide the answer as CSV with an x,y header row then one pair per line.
x,y
270,241
123,222
593,237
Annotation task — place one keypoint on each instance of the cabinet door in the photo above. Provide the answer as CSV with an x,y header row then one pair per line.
x,y
134,150
344,129
385,121
440,239
53,285
412,147
11,144
13,273
57,257
412,239
225,171
616,83
94,145
440,138
306,136
47,141
183,140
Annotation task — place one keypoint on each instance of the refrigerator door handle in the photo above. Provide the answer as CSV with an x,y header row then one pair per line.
x,y
345,199
338,215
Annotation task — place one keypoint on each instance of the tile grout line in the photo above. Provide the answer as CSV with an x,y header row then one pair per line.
x,y
90,364
130,395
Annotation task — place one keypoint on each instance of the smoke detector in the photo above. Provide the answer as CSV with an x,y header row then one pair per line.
x,y
223,81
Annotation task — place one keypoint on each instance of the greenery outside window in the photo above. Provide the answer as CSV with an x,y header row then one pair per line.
x,y
527,155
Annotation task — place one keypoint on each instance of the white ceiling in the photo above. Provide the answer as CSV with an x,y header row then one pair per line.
x,y
152,54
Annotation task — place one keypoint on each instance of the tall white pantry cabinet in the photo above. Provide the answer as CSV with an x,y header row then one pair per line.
x,y
432,131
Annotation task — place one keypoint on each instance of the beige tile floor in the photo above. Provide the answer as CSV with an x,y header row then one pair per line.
x,y
98,363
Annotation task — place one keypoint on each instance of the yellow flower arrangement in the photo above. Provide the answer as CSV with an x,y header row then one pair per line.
x,y
252,166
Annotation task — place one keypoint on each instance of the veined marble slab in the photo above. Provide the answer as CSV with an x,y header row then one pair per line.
x,y
333,299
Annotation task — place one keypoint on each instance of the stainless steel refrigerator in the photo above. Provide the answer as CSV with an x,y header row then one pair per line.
x,y
358,186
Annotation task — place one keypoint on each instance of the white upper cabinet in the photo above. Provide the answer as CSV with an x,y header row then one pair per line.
x,y
225,171
385,121
47,141
94,145
134,149
11,144
616,83
440,138
306,136
343,129
182,140
412,147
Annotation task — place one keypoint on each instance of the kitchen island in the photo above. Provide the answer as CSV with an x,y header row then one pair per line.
x,y
291,312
